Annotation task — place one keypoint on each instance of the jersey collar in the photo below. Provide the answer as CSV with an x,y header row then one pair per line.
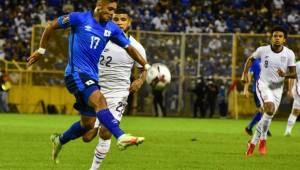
x,y
275,51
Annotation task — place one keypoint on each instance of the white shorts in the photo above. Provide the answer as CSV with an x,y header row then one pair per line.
x,y
266,94
116,106
296,96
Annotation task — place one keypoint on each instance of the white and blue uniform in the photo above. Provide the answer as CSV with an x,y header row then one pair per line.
x,y
269,85
87,40
114,75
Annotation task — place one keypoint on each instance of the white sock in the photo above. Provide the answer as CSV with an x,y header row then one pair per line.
x,y
290,124
257,133
261,129
101,150
266,121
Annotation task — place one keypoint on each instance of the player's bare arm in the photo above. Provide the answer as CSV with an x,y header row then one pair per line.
x,y
35,56
290,87
248,64
136,84
246,85
291,73
137,56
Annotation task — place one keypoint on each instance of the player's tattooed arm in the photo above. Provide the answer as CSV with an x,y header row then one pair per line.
x,y
35,56
136,84
291,73
248,64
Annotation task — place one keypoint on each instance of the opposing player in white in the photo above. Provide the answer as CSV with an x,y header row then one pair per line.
x,y
295,93
277,63
115,67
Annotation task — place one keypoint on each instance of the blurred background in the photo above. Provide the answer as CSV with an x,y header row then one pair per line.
x,y
204,44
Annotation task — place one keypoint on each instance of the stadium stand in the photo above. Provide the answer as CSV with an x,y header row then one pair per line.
x,y
201,54
210,16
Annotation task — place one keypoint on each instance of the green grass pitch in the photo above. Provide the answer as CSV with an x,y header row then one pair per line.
x,y
171,144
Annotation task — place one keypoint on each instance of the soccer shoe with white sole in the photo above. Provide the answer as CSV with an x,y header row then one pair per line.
x,y
56,146
250,149
262,147
127,140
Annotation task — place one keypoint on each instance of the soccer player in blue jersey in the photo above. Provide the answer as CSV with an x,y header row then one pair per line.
x,y
254,72
90,31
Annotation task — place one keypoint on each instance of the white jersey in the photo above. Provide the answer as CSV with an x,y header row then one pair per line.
x,y
272,61
115,69
298,74
296,88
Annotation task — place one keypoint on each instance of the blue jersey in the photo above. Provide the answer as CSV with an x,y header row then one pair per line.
x,y
255,71
87,40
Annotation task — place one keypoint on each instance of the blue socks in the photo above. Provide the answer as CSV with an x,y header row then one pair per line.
x,y
74,132
107,119
255,119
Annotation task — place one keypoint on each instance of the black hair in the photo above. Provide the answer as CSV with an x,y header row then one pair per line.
x,y
279,29
122,11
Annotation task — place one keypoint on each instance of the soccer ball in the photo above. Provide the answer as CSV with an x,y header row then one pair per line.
x,y
158,76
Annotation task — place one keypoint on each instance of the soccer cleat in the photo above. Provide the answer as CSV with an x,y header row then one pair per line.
x,y
248,131
127,140
250,149
56,146
269,133
262,147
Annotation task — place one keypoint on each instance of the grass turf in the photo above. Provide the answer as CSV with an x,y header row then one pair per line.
x,y
171,144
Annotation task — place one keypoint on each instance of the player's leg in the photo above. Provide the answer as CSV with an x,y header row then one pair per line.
x,y
270,102
261,130
117,107
90,135
102,148
105,117
264,123
98,102
162,107
75,131
291,122
270,109
155,103
78,129
256,118
78,86
87,114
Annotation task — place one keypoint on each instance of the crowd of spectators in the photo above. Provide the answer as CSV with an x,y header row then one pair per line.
x,y
202,54
191,16
18,16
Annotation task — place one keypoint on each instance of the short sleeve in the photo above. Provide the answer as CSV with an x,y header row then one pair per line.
x,y
119,38
291,59
257,53
72,19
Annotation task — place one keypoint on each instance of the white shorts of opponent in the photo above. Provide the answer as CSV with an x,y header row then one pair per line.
x,y
116,106
296,96
269,93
